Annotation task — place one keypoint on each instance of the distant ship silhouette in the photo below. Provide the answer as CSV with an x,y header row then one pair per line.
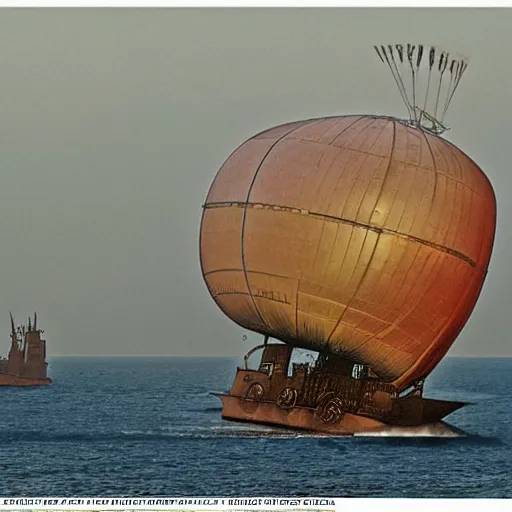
x,y
26,364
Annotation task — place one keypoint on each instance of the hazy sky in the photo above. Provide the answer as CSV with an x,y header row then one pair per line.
x,y
114,123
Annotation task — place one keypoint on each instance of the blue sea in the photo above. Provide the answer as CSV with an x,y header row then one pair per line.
x,y
148,426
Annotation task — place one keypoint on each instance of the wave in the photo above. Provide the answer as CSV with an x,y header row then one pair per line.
x,y
206,409
429,434
162,435
426,433
433,430
172,437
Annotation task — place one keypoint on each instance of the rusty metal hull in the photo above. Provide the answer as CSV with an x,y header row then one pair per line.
x,y
236,408
7,379
303,418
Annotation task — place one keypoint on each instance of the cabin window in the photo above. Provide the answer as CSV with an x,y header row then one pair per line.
x,y
302,358
267,368
358,371
299,368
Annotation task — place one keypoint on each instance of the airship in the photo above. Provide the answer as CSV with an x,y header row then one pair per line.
x,y
363,238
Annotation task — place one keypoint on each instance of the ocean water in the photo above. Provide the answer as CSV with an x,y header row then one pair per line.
x,y
148,426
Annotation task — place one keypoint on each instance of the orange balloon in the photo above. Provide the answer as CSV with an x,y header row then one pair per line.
x,y
362,236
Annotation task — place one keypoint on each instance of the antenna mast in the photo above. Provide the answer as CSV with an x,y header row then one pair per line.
x,y
427,78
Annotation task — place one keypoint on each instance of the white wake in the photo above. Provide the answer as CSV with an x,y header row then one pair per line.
x,y
432,430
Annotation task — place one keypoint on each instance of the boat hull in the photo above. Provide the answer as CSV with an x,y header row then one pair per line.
x,y
237,408
303,418
7,379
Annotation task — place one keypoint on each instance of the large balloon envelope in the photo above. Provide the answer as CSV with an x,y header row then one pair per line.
x,y
361,236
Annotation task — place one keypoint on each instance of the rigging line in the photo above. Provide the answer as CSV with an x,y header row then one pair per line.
x,y
399,81
431,59
450,86
428,89
413,81
414,94
410,55
463,67
409,106
438,92
415,75
457,66
402,92
443,60
439,85
456,84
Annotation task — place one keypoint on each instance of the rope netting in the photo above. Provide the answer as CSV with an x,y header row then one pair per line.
x,y
427,78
